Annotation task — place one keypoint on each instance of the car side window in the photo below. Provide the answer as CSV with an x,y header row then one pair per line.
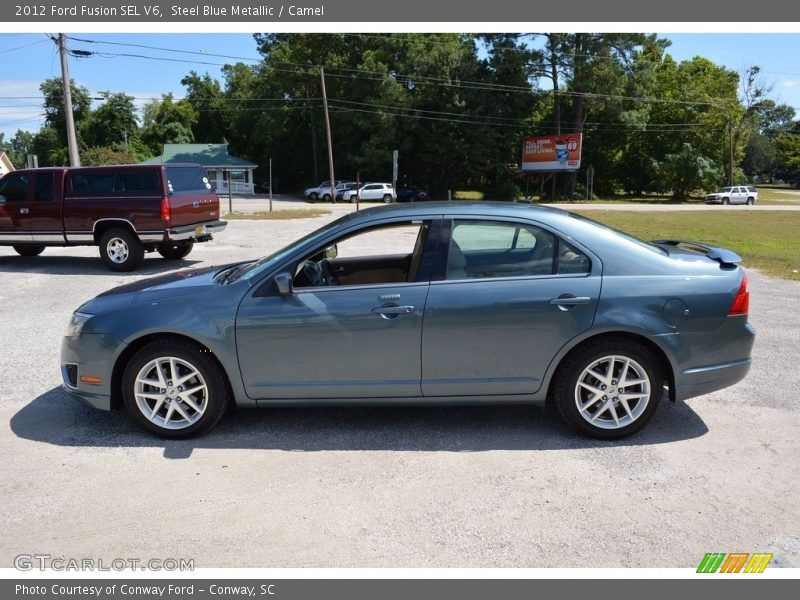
x,y
361,258
43,190
572,261
14,187
486,249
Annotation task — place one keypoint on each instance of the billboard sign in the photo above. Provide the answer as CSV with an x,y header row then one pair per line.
x,y
561,152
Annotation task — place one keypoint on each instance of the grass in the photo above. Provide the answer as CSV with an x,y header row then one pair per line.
x,y
768,241
277,215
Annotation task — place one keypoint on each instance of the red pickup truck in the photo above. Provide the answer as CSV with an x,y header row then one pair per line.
x,y
126,210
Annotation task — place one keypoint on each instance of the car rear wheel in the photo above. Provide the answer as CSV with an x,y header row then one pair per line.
x,y
29,249
387,198
750,202
609,390
174,389
175,251
121,250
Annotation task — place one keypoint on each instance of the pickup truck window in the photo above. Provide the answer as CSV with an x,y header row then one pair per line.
x,y
92,183
14,187
137,181
186,179
43,191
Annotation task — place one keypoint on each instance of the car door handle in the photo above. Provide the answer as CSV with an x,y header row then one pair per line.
x,y
23,211
393,310
570,300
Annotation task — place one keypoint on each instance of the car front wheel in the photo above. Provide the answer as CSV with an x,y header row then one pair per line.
x,y
609,390
174,389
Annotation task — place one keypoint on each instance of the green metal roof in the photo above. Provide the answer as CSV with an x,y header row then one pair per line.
x,y
208,155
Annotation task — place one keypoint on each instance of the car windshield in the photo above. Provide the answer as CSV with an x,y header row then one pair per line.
x,y
726,190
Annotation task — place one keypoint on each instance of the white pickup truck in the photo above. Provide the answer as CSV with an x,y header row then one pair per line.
x,y
740,194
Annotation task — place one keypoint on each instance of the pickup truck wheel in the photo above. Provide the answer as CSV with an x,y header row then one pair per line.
x,y
121,250
175,251
29,249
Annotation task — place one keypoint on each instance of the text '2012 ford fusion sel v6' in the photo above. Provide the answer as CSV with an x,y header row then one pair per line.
x,y
475,303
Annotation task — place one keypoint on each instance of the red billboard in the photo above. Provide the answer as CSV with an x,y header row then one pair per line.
x,y
560,152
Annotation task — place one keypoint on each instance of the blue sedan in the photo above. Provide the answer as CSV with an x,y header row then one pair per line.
x,y
441,303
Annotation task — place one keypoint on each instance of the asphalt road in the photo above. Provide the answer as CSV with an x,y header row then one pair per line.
x,y
366,487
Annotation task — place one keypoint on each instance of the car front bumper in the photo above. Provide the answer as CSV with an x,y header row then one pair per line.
x,y
91,357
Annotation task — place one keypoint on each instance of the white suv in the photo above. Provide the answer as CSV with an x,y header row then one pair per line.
x,y
739,194
372,191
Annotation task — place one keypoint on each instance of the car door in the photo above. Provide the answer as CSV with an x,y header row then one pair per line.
x,y
740,197
372,192
357,340
15,206
44,215
510,295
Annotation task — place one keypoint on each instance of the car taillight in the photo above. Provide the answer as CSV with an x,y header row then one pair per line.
x,y
741,304
165,209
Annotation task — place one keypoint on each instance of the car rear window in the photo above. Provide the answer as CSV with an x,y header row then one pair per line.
x,y
187,179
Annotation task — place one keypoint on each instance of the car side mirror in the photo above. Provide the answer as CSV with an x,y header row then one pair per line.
x,y
331,251
283,281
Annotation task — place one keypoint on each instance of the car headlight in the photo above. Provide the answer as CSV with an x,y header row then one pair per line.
x,y
77,322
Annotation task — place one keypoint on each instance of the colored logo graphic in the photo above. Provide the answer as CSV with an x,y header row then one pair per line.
x,y
735,562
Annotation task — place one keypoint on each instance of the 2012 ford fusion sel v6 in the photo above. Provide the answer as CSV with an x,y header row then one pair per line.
x,y
475,303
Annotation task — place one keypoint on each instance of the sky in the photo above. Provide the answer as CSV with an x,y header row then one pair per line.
x,y
26,59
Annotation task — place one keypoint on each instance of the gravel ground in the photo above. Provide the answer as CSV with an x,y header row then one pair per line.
x,y
364,487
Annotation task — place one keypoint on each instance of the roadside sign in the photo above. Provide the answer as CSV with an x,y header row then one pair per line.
x,y
560,152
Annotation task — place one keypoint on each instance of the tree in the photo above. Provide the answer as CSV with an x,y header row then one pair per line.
x,y
55,117
787,155
687,171
103,155
113,123
206,98
165,121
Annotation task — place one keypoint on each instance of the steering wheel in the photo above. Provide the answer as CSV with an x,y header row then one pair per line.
x,y
313,273
327,272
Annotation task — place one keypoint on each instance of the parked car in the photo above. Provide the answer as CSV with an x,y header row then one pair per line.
x,y
323,190
126,210
345,187
472,303
371,191
412,194
734,195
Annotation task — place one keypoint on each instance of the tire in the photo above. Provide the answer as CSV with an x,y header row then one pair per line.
x,y
750,202
726,201
167,414
313,197
326,197
353,199
121,250
175,251
29,249
387,198
596,417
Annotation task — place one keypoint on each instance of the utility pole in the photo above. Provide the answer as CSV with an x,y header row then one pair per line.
x,y
730,161
270,185
72,141
328,130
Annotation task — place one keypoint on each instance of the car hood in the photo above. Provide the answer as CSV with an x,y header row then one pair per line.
x,y
169,286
